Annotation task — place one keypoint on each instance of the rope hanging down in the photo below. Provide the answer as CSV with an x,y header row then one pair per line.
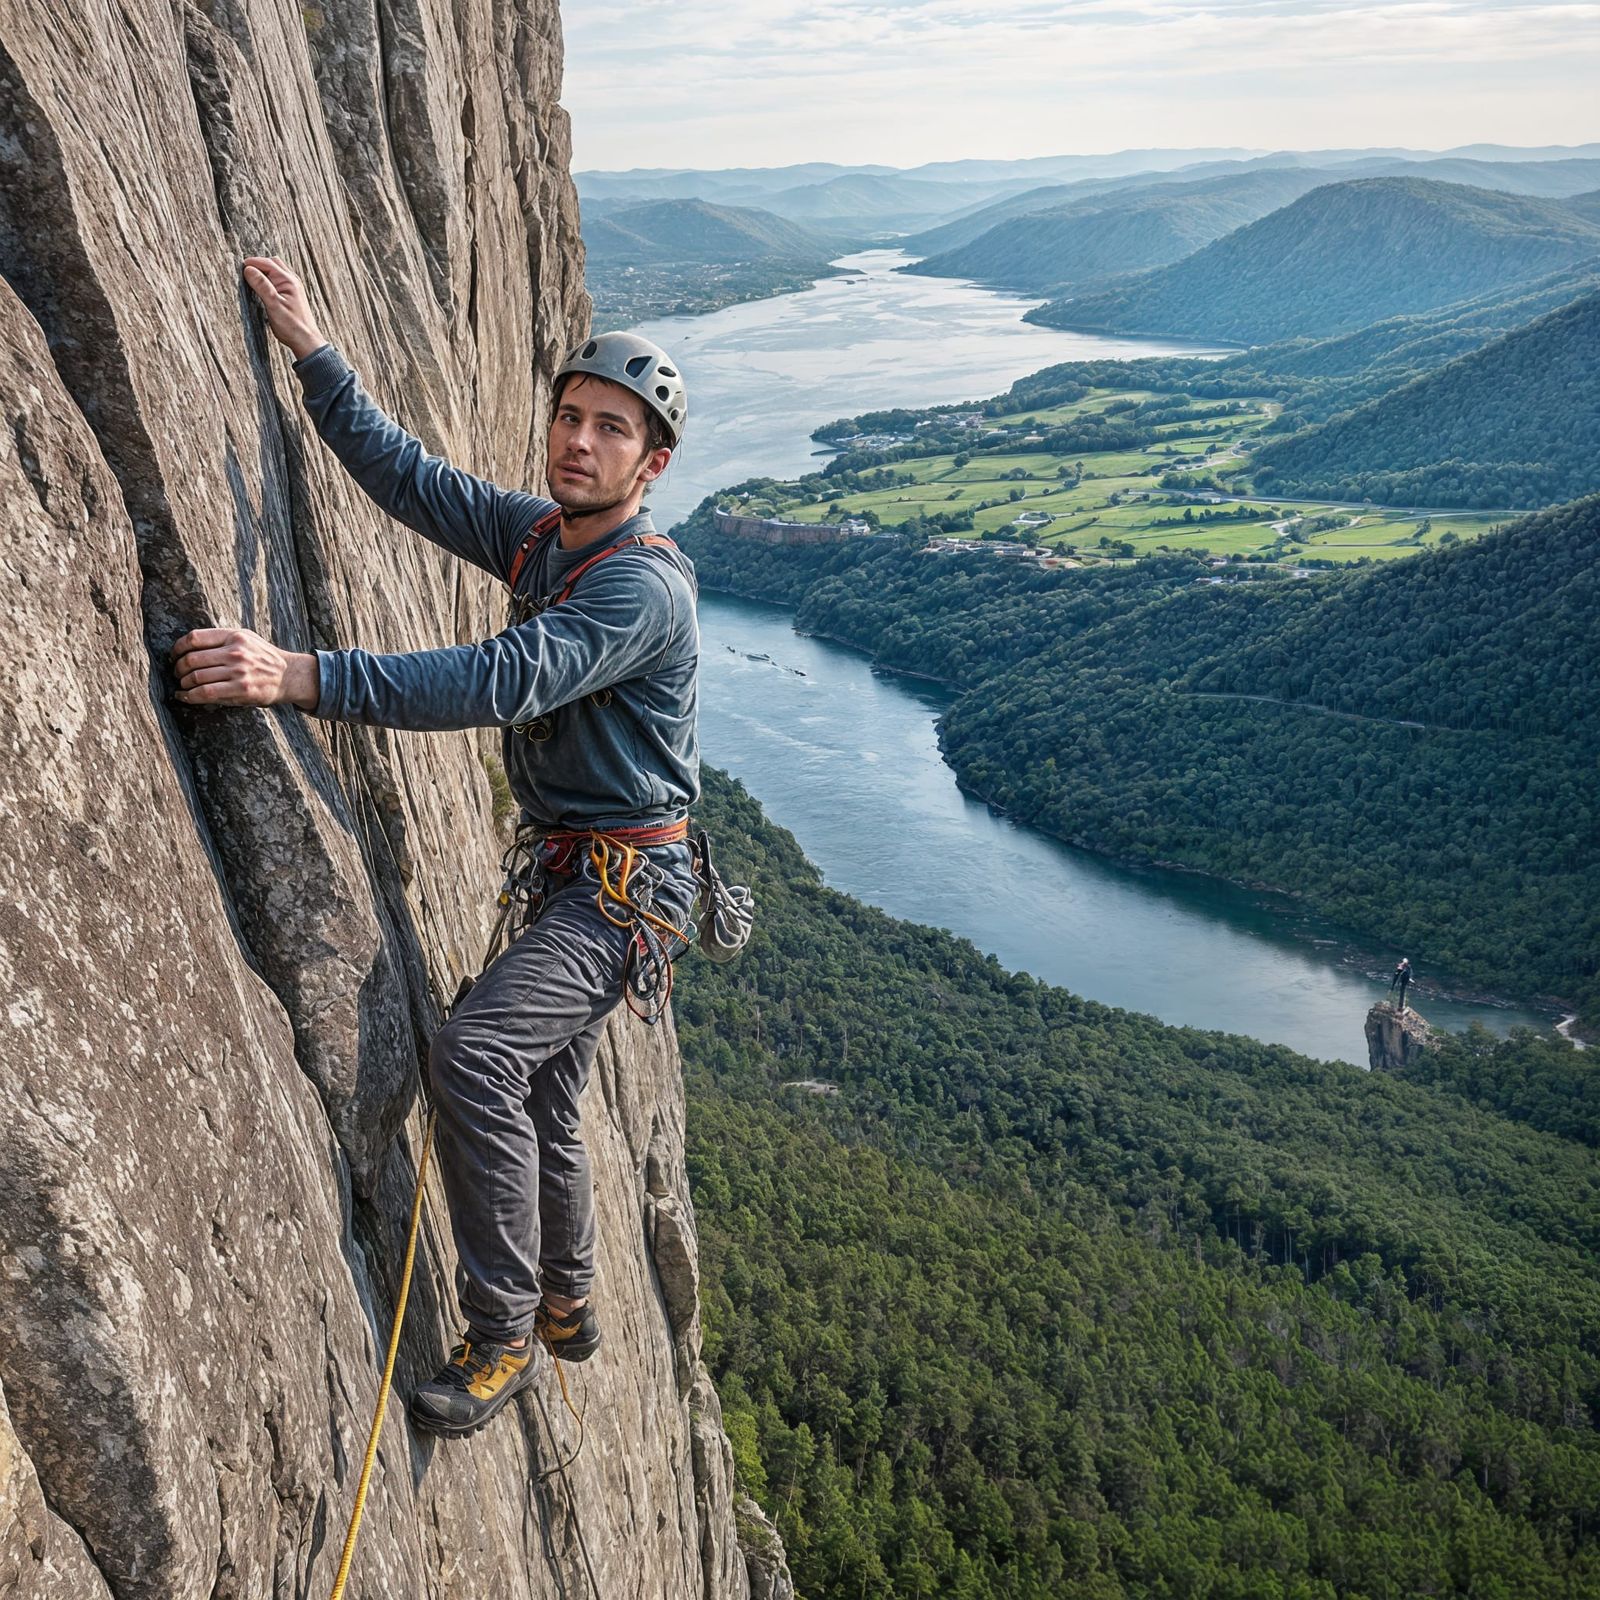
x,y
348,1554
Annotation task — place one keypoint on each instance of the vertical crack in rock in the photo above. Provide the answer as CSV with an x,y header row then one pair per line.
x,y
345,39
420,165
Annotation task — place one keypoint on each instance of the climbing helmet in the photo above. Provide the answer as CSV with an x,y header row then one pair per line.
x,y
636,364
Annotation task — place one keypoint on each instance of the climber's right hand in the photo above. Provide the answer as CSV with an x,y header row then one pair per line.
x,y
283,298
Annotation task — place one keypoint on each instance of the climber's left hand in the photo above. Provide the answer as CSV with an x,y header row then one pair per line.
x,y
235,667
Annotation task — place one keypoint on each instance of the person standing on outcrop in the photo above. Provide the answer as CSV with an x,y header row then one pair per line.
x,y
1401,979
594,685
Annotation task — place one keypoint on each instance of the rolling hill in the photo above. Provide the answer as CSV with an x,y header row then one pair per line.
x,y
1516,423
1103,236
1343,256
1586,205
696,230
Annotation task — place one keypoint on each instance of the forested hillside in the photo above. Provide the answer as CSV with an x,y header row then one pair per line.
x,y
1343,256
1264,731
1099,238
1053,1299
1516,423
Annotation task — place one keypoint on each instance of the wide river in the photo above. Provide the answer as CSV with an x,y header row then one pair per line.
x,y
847,757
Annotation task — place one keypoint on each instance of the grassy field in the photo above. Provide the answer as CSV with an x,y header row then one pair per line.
x,y
1119,498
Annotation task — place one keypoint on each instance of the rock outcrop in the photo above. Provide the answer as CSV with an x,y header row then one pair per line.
x,y
1395,1038
225,937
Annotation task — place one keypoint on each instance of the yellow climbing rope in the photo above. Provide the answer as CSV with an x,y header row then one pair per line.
x,y
388,1366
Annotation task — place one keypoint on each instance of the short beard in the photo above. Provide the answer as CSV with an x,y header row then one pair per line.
x,y
578,513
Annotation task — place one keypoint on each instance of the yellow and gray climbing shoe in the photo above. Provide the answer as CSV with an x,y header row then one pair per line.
x,y
568,1335
472,1386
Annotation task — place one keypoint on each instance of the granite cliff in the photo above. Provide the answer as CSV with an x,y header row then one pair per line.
x,y
225,937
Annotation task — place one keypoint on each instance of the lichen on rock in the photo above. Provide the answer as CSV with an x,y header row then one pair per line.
x,y
224,937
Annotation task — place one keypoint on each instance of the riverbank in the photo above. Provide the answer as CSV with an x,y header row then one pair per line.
x,y
627,297
1567,1028
1189,946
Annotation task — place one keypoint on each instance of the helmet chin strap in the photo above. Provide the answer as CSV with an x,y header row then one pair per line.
x,y
578,515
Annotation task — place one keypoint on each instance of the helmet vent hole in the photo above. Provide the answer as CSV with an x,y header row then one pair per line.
x,y
666,372
590,348
636,366
673,413
663,392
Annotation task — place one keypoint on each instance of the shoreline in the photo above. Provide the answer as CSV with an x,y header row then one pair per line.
x,y
1349,944
1565,1029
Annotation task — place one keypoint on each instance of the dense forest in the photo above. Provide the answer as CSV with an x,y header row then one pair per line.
x,y
1411,747
1046,1299
1344,256
1516,423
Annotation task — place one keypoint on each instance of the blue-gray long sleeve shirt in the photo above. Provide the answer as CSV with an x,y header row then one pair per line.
x,y
607,677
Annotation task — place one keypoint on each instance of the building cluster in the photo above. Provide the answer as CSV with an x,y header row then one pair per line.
x,y
1005,549
774,530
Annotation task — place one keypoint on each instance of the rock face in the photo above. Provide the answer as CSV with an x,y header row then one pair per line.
x,y
224,937
1395,1038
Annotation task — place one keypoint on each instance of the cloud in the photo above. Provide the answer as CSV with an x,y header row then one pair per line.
x,y
710,83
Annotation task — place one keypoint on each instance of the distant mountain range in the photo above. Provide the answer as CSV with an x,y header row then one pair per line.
x,y
914,199
1340,257
1586,205
1516,423
686,257
1554,178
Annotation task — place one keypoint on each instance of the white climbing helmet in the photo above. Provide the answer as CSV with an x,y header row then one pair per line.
x,y
636,364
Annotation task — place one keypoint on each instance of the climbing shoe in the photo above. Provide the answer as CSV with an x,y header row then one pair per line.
x,y
570,1335
472,1386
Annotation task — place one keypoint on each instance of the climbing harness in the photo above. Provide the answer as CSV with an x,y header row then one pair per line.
x,y
627,881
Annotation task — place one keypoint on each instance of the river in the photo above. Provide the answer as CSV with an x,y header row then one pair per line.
x,y
847,757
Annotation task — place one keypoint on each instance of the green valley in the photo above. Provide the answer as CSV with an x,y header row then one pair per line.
x,y
1108,474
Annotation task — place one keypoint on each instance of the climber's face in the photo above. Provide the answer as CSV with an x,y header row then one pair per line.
x,y
602,452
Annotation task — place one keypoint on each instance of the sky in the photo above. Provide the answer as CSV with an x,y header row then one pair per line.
x,y
715,83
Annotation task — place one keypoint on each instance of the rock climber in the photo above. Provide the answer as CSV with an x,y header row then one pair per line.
x,y
594,685
1401,980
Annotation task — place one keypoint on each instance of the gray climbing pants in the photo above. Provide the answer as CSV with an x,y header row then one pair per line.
x,y
507,1069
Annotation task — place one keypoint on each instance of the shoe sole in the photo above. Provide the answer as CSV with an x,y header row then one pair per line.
x,y
572,1353
462,1430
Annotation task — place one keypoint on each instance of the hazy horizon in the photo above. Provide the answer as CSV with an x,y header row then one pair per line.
x,y
1201,153
709,84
